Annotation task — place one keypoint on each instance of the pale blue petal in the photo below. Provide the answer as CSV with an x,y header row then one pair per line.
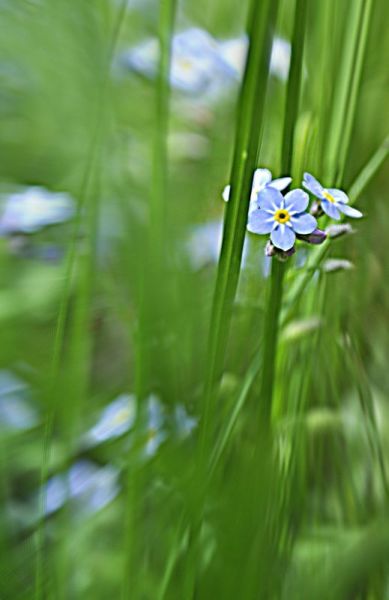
x,y
261,178
270,199
304,223
349,211
281,183
312,185
296,201
283,237
330,209
260,222
339,195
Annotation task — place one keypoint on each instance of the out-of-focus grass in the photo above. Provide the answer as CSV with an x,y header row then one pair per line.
x,y
126,309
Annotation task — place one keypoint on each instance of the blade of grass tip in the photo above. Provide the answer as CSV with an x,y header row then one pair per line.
x,y
359,185
274,301
248,381
154,271
360,51
59,335
343,86
248,135
369,170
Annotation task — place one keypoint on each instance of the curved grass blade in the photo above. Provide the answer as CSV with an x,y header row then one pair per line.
x,y
249,126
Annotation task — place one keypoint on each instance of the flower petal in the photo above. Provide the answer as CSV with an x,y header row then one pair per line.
x,y
281,183
283,237
338,195
270,199
331,210
261,178
226,193
304,223
312,185
349,211
296,201
260,222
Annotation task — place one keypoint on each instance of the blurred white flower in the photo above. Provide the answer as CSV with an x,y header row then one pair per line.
x,y
16,412
89,487
32,209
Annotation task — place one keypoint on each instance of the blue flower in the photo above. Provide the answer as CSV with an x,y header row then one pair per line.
x,y
115,420
333,201
196,61
34,208
282,217
262,179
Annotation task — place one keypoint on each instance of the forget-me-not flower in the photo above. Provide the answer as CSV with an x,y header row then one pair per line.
x,y
282,216
196,61
332,200
34,208
262,179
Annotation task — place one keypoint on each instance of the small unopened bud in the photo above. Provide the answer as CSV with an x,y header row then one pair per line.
x,y
335,231
337,264
282,255
270,250
316,209
316,237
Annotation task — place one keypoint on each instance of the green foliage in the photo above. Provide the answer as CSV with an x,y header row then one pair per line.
x,y
253,458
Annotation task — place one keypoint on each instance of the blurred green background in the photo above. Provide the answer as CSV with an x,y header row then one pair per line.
x,y
103,349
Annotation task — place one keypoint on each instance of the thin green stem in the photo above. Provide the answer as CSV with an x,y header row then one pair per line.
x,y
248,137
274,303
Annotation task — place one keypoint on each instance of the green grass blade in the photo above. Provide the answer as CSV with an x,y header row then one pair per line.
x,y
249,125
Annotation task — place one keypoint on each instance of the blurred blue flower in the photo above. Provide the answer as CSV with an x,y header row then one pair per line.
x,y
32,209
115,420
332,200
262,179
89,487
234,52
204,243
282,217
16,412
156,433
184,423
195,63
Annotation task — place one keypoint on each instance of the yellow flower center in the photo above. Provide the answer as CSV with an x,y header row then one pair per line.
x,y
282,215
186,64
328,196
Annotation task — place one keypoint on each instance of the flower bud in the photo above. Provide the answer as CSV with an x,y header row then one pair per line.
x,y
282,255
316,209
337,230
337,264
316,237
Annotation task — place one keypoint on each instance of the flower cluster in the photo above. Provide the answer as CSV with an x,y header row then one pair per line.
x,y
285,216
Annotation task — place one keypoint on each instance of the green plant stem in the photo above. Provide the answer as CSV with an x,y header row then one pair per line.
x,y
271,333
274,302
248,137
